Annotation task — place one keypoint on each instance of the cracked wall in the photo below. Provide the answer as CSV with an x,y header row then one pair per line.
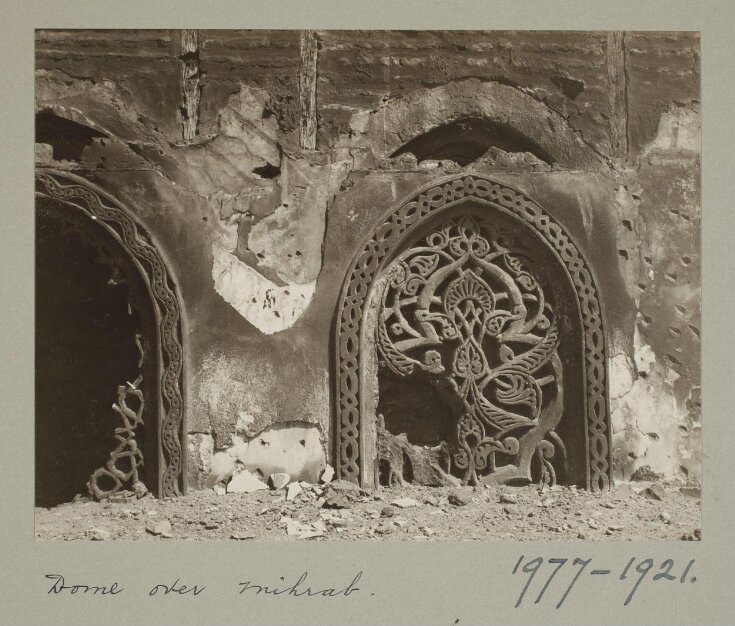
x,y
200,133
656,401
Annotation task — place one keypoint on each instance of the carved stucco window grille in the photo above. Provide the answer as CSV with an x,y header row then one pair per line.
x,y
72,192
476,287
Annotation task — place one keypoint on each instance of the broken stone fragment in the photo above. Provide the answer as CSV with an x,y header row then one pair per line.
x,y
242,536
221,468
293,490
657,492
160,527
220,489
405,503
459,497
432,500
401,522
99,534
327,474
140,490
245,482
297,529
337,501
508,499
387,511
344,486
645,473
694,492
429,532
338,522
279,480
44,153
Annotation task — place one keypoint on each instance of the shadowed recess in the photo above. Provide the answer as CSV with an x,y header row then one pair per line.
x,y
67,138
466,140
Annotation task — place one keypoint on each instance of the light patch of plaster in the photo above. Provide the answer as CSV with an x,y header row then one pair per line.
x,y
679,130
621,373
289,240
222,466
295,449
242,119
201,450
269,307
651,435
244,421
644,356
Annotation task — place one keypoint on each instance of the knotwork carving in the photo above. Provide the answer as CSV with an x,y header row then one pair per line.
x,y
469,292
127,449
139,246
519,380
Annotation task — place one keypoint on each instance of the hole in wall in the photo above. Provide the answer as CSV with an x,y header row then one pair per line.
x,y
570,87
267,171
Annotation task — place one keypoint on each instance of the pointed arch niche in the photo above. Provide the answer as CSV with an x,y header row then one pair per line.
x,y
473,298
112,232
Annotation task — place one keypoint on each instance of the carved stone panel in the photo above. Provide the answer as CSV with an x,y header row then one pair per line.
x,y
76,194
481,295
465,306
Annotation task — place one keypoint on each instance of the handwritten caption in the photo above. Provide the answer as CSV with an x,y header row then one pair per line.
x,y
634,571
300,588
551,580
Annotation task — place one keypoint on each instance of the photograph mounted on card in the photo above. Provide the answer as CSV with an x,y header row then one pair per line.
x,y
367,285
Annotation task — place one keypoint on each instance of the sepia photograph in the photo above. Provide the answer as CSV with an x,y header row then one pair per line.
x,y
367,285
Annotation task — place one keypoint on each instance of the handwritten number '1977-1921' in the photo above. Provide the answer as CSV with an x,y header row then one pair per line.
x,y
637,572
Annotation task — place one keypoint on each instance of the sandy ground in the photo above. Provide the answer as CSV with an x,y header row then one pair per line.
x,y
631,511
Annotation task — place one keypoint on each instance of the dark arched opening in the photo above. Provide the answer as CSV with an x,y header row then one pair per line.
x,y
66,137
466,140
109,349
95,332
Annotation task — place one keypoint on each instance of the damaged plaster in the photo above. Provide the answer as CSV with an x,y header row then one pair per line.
x,y
245,214
655,383
380,132
266,305
294,448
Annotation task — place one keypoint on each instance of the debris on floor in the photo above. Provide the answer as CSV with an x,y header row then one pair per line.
x,y
342,510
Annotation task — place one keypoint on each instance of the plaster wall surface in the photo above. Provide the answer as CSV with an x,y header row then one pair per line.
x,y
259,232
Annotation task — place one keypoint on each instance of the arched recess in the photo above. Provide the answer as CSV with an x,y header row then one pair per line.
x,y
73,193
509,113
356,331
